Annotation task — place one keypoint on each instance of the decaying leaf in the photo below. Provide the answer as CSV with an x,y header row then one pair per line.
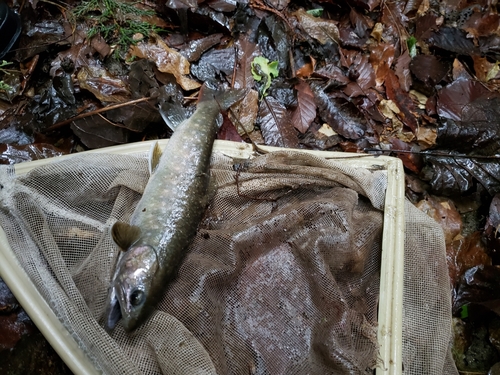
x,y
322,30
244,113
402,99
167,60
443,211
381,57
105,87
247,51
492,228
305,112
478,129
429,69
275,124
362,74
479,285
457,175
342,116
465,253
135,117
194,50
97,132
453,40
14,154
214,64
227,131
453,98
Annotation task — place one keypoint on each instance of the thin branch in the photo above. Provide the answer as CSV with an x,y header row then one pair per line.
x,y
91,113
434,153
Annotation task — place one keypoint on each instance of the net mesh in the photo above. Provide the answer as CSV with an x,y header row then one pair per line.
x,y
282,277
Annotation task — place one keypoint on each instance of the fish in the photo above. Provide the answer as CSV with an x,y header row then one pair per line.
x,y
167,216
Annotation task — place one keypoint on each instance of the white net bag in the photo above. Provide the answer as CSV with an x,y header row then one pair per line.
x,y
283,276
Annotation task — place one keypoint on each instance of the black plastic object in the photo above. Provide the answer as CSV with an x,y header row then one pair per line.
x,y
10,28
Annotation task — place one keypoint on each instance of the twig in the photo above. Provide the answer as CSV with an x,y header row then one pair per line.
x,y
436,153
91,113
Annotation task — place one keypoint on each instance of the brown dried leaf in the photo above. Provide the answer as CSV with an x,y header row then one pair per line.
x,y
247,51
105,87
482,24
275,124
227,131
443,211
458,95
195,48
97,132
167,60
484,69
244,113
402,70
381,57
365,80
402,99
307,69
318,28
305,113
342,116
429,69
465,253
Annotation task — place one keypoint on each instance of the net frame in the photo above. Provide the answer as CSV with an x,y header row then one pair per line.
x,y
391,287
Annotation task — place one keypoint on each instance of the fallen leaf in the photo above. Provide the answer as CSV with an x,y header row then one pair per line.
x,y
457,175
305,113
426,137
97,132
429,69
194,49
479,285
275,124
402,99
322,30
402,70
228,132
477,128
465,253
247,51
453,40
105,87
381,57
492,228
307,69
443,211
341,115
362,75
167,60
214,64
244,113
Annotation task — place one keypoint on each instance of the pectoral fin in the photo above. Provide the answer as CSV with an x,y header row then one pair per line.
x,y
154,157
125,234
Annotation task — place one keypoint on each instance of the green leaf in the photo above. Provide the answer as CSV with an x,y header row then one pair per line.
x,y
464,312
315,12
412,46
263,70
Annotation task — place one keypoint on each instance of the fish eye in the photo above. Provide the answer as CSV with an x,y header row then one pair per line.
x,y
137,297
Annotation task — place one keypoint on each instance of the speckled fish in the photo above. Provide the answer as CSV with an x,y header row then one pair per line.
x,y
166,218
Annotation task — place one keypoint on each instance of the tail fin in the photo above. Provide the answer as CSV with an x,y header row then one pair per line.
x,y
225,98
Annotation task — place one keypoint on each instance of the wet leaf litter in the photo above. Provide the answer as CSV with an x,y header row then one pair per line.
x,y
411,79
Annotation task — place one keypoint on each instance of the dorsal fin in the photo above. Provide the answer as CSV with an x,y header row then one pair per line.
x,y
155,153
125,234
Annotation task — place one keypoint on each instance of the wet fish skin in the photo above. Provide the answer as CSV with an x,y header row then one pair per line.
x,y
167,216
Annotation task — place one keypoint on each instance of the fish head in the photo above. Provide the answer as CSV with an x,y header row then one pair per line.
x,y
130,296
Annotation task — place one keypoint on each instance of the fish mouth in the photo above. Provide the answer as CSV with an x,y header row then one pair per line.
x,y
113,314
